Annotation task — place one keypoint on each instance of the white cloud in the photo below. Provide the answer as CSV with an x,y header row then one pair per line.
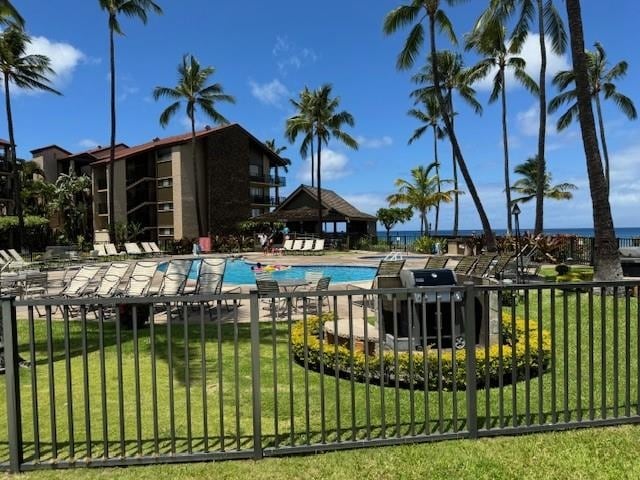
x,y
384,141
64,58
367,202
289,56
126,91
528,124
271,93
88,143
334,165
528,121
531,54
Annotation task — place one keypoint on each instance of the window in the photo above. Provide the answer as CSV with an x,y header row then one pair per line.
x,y
255,170
164,155
165,207
255,212
165,182
165,232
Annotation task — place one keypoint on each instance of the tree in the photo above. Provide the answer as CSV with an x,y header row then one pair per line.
x,y
129,8
601,79
9,15
302,123
549,24
36,194
389,217
71,197
606,258
28,72
325,122
431,118
488,39
192,89
527,186
454,78
415,12
422,194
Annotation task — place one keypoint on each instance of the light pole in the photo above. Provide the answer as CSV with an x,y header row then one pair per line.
x,y
515,211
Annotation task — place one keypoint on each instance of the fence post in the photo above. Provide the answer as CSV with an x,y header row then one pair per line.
x,y
11,365
470,358
254,312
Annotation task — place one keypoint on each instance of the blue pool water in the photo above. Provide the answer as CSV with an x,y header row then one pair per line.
x,y
239,272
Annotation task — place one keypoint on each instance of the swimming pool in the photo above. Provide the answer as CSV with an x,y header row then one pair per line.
x,y
239,272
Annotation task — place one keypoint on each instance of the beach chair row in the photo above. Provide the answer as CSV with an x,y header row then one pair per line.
x,y
309,246
130,249
10,259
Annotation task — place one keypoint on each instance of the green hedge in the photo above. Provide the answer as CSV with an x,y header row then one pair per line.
x,y
339,357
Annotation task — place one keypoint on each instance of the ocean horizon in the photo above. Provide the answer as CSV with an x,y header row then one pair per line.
x,y
625,232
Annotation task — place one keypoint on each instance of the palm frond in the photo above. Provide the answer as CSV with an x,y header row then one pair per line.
x,y
411,49
168,113
554,28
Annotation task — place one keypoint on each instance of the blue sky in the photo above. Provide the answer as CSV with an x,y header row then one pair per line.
x,y
266,52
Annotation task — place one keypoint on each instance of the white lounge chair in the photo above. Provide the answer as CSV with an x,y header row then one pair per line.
x,y
211,279
147,248
308,246
288,246
16,256
111,250
6,257
175,278
99,247
133,249
297,246
111,280
155,248
140,279
319,246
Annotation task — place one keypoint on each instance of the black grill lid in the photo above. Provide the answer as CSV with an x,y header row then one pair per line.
x,y
433,277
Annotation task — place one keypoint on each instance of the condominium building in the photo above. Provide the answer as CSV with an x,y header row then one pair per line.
x,y
237,177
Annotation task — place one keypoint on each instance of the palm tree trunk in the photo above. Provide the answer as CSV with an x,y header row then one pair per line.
x,y
486,226
606,256
605,151
542,131
456,199
312,165
14,165
194,159
435,156
505,143
112,145
319,189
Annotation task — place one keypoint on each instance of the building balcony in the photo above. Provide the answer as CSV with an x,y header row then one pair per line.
x,y
265,200
272,180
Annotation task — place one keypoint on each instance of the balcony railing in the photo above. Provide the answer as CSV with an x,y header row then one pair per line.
x,y
269,179
265,200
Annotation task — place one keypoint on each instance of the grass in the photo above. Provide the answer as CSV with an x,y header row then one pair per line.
x,y
224,386
576,273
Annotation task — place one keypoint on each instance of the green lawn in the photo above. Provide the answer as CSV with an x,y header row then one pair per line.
x,y
347,410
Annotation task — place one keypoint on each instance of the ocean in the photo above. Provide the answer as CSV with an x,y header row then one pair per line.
x,y
626,232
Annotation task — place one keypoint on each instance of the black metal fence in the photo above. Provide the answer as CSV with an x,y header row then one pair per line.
x,y
107,382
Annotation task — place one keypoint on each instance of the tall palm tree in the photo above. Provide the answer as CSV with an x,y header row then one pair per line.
x,y
326,122
9,15
421,193
550,24
431,118
302,123
454,78
415,12
271,145
601,79
607,259
115,8
29,72
527,186
488,38
192,89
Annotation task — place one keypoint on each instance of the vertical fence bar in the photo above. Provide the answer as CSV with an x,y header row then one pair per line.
x,y
454,365
367,372
412,407
274,366
565,355
103,381
52,386
627,351
305,329
255,374
154,382
381,339
554,339
67,368
172,411
218,307
501,360
603,352
187,375
396,364
34,389
203,374
487,371
470,342
578,357
236,368
591,358
121,419
440,369
136,378
514,362
12,374
425,367
335,362
615,348
527,360
541,418
351,366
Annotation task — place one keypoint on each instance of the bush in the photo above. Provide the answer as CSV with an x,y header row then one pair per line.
x,y
338,358
428,244
37,233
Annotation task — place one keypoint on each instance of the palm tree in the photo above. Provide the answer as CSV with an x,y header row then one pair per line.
x,y
192,89
9,15
549,23
324,122
271,145
431,118
488,39
114,8
454,78
422,193
71,197
601,79
29,72
301,122
415,12
606,259
527,186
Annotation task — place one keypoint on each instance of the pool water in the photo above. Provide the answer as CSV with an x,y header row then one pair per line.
x,y
239,272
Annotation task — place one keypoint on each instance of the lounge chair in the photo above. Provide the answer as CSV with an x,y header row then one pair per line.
x,y
133,249
318,247
99,247
6,257
155,248
111,250
388,273
307,246
287,247
481,267
110,282
497,269
140,279
436,261
175,278
16,256
211,279
80,282
297,246
147,248
465,265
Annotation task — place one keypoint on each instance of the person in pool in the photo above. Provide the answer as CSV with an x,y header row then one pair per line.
x,y
257,267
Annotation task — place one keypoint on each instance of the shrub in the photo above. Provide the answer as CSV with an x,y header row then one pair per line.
x,y
428,244
339,357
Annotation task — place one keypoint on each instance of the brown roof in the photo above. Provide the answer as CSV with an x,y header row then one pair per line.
x,y
4,142
333,204
40,149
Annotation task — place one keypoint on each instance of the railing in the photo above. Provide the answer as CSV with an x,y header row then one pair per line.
x,y
264,200
287,373
270,179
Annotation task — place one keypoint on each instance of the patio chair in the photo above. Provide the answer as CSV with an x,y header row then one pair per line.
x,y
501,262
316,300
155,248
387,269
268,292
318,247
307,246
35,284
110,282
79,284
436,261
99,247
287,247
465,265
140,280
297,246
481,267
16,256
63,281
111,250
175,278
6,257
211,280
147,248
133,249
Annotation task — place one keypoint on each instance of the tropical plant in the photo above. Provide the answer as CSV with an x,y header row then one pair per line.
x,y
455,78
488,38
390,217
414,13
601,79
36,194
527,186
192,89
9,15
28,72
127,232
421,193
325,122
549,25
607,259
302,123
139,9
71,200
